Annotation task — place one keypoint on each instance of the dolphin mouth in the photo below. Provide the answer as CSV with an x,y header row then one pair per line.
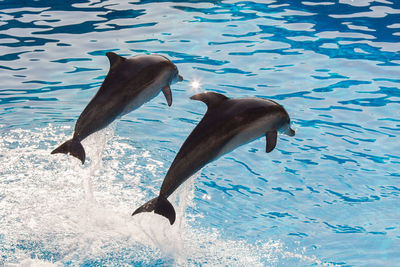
x,y
180,78
290,132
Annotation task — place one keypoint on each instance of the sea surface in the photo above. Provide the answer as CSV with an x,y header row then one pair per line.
x,y
329,196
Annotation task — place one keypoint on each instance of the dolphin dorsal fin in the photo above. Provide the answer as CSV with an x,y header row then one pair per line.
x,y
211,99
114,58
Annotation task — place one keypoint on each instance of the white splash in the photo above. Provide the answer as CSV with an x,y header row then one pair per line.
x,y
54,211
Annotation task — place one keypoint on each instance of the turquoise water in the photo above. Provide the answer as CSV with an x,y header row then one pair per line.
x,y
327,197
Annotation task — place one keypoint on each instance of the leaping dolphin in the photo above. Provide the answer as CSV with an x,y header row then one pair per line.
x,y
227,124
130,83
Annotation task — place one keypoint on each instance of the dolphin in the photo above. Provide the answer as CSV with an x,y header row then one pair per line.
x,y
130,83
227,124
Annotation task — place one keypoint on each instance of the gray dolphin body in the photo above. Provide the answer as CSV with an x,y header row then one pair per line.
x,y
130,83
227,124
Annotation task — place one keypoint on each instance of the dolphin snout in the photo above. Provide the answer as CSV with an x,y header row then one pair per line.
x,y
180,78
288,131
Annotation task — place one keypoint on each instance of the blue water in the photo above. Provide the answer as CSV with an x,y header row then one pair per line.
x,y
327,197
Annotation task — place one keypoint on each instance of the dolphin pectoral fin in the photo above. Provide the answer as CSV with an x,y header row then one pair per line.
x,y
114,58
271,140
168,94
159,205
211,99
73,147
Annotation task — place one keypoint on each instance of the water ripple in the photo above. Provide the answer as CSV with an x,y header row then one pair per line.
x,y
333,65
345,229
352,199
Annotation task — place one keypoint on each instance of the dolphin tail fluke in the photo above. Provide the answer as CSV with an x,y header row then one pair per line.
x,y
159,205
73,147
